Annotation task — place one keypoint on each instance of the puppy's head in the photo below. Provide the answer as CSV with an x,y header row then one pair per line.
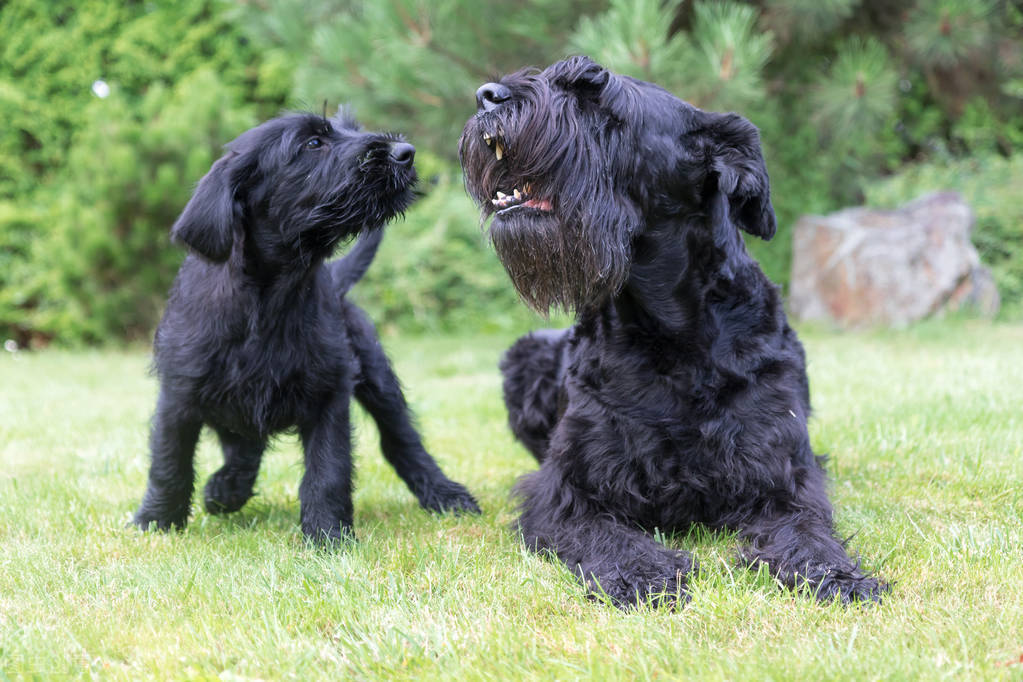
x,y
574,163
290,189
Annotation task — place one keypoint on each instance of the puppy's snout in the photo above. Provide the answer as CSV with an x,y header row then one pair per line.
x,y
490,95
403,154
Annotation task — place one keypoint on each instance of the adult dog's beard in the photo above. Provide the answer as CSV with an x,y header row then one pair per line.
x,y
553,265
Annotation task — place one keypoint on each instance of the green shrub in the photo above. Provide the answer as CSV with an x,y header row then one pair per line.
x,y
93,184
991,185
17,227
407,65
844,92
108,258
53,51
436,269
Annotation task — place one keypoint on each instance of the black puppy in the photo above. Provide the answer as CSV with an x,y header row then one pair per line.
x,y
680,396
258,337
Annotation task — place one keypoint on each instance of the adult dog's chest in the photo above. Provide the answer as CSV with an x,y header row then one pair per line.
x,y
665,432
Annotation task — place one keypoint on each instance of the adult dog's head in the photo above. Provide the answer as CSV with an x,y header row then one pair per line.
x,y
287,191
575,163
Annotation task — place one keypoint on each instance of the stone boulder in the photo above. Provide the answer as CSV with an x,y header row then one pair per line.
x,y
862,267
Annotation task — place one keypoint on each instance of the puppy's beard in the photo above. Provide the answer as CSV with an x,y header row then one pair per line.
x,y
555,265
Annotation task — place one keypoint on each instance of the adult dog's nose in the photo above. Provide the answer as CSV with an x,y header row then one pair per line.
x,y
403,154
490,95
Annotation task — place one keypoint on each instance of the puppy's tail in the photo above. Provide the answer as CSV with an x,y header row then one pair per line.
x,y
350,269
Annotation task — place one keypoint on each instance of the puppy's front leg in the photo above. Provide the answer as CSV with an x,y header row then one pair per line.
x,y
172,440
380,393
325,494
611,557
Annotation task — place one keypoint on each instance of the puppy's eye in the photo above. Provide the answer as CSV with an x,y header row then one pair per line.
x,y
314,143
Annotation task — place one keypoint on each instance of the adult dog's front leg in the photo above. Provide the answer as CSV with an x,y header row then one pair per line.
x,y
611,557
172,440
797,542
325,494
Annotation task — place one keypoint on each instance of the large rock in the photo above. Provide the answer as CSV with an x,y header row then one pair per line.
x,y
862,267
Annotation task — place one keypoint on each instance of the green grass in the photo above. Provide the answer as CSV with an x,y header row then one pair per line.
x,y
925,433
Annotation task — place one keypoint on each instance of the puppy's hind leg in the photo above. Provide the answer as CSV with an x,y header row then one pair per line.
x,y
231,486
168,497
532,370
379,391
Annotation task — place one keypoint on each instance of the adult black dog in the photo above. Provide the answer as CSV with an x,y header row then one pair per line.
x,y
680,396
258,337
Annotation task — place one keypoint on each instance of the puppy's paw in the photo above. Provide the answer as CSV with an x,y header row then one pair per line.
x,y
660,585
329,538
226,492
146,520
164,508
449,497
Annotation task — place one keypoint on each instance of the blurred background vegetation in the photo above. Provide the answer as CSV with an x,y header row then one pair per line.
x,y
113,110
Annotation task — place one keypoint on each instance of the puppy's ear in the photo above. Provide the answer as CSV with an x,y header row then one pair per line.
x,y
738,164
206,226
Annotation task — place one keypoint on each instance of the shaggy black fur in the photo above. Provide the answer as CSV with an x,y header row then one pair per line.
x,y
258,337
680,396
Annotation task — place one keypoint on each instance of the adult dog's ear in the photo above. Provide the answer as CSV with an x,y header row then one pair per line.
x,y
736,160
581,75
206,226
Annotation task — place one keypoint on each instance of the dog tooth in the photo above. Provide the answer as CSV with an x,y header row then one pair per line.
x,y
498,151
502,196
518,194
495,202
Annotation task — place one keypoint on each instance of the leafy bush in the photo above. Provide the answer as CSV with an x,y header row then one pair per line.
x,y
408,65
17,227
717,65
991,185
436,270
844,92
96,181
130,171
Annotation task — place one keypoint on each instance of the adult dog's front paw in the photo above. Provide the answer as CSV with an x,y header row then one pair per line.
x,y
850,588
663,583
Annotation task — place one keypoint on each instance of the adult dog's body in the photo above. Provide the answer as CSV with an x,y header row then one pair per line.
x,y
680,396
258,336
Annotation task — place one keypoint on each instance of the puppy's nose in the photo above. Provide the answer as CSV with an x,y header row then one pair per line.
x,y
490,95
403,154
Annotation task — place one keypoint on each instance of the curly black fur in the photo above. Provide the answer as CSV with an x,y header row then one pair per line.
x,y
680,396
258,336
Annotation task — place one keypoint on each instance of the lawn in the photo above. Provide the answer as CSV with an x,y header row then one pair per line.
x,y
925,433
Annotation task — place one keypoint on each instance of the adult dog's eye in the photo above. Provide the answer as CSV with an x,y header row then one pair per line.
x,y
314,143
